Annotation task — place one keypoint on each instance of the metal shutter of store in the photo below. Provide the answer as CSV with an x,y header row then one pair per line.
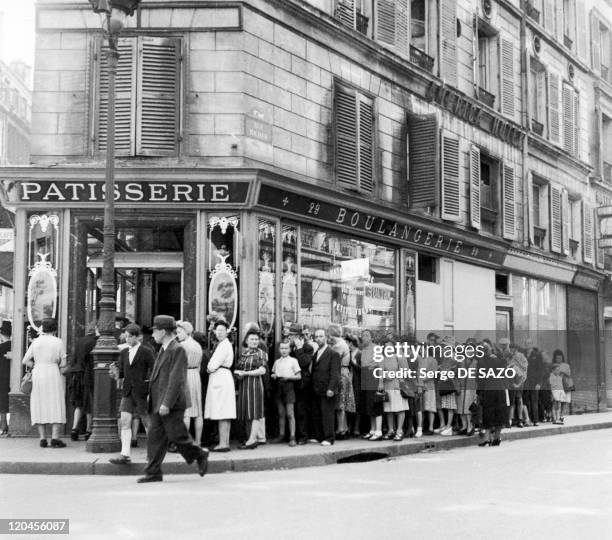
x,y
345,12
448,41
345,118
556,225
508,203
423,159
595,42
391,20
582,38
553,107
568,118
587,233
475,187
366,145
565,216
125,98
451,204
159,76
506,62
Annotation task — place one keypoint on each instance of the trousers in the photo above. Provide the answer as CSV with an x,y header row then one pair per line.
x,y
164,430
323,413
303,413
532,400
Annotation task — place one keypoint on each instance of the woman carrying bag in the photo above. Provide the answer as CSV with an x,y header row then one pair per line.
x,y
47,358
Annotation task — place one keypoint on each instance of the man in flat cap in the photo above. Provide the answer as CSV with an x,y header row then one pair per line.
x,y
167,403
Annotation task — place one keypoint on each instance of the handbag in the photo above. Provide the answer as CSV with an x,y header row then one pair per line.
x,y
473,408
26,383
446,387
381,396
568,384
405,391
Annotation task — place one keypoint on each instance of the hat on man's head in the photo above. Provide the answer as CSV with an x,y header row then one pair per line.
x,y
163,322
185,325
6,329
433,335
296,328
334,330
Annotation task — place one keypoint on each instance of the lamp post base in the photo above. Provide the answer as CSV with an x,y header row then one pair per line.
x,y
104,436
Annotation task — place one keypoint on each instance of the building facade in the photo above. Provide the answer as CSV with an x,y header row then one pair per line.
x,y
401,166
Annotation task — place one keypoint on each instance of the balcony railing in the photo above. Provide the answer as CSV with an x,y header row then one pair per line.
x,y
362,23
531,11
568,42
418,57
607,172
486,97
539,236
537,127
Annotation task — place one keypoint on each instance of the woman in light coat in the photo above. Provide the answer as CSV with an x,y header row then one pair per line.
x,y
221,393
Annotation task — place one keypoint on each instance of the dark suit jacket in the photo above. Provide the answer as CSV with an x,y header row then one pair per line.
x,y
168,384
136,377
326,372
304,357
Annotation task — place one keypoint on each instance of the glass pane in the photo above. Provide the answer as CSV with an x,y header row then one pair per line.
x,y
289,278
267,278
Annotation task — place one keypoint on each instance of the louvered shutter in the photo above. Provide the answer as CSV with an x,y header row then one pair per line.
x,y
581,35
345,117
595,43
577,124
451,207
125,98
508,203
391,20
423,159
599,253
158,96
475,187
568,118
541,96
587,233
366,144
566,215
549,16
506,62
553,107
556,225
448,42
345,12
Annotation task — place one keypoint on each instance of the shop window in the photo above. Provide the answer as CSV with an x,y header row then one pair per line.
x,y
428,268
354,139
289,278
147,97
502,284
267,278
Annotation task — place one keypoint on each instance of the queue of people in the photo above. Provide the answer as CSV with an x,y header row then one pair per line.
x,y
314,387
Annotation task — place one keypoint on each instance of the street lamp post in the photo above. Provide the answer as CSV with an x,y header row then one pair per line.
x,y
104,436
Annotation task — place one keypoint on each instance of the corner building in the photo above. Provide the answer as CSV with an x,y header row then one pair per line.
x,y
400,166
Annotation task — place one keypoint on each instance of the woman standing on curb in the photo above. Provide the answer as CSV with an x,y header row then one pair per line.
x,y
184,333
493,395
47,358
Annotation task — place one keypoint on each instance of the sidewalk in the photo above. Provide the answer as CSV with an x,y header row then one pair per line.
x,y
24,456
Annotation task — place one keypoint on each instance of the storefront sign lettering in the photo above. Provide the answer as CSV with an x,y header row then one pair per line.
x,y
134,192
366,222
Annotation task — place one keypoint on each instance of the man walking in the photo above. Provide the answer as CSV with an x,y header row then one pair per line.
x,y
135,366
167,403
325,382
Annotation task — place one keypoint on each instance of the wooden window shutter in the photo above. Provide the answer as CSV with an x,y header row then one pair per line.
x,y
345,119
556,224
125,98
475,186
595,43
391,19
366,144
506,63
159,75
568,118
508,203
549,16
577,124
346,12
581,35
587,233
566,215
553,107
451,186
599,253
423,159
448,42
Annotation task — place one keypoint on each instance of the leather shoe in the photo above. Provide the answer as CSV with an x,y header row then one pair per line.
x,y
134,443
203,463
225,449
43,443
121,460
147,479
74,435
56,443
245,446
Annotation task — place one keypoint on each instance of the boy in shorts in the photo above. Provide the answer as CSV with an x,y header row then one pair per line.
x,y
285,371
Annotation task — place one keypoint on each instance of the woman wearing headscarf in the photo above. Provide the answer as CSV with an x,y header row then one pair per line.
x,y
46,355
184,334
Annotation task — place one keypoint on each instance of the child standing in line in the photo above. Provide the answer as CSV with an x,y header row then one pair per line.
x,y
285,371
558,394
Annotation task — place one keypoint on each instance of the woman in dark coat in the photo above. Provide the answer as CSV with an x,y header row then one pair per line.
x,y
493,396
5,374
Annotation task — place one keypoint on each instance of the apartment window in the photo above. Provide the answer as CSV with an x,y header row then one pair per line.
x,y
489,182
600,46
428,268
606,148
354,139
569,22
418,24
574,207
604,44
147,97
537,95
539,214
487,46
